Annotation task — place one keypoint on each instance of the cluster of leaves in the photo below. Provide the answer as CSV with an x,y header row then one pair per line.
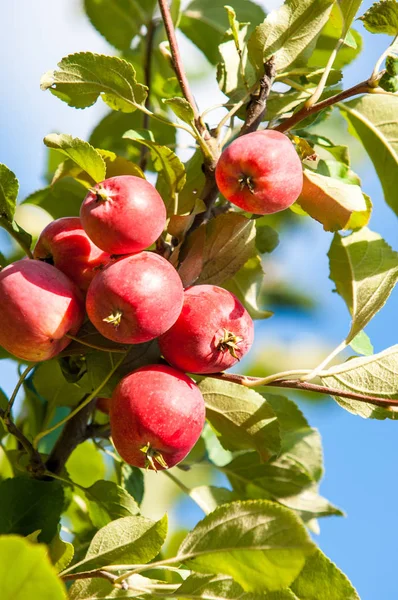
x,y
254,538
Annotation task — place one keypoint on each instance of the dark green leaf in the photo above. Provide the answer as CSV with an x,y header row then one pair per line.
x,y
9,187
108,501
27,505
63,199
132,479
119,20
50,383
267,239
26,573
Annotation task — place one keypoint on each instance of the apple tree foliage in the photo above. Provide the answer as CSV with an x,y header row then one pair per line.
x,y
70,517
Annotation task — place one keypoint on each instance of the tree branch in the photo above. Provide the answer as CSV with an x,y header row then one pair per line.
x,y
258,103
297,384
73,434
150,37
97,573
306,111
178,64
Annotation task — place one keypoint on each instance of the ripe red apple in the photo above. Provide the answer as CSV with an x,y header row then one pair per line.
x,y
260,172
135,299
211,334
123,214
39,305
65,244
157,415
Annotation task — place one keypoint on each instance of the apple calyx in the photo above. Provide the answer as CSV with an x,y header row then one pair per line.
x,y
101,194
153,456
114,318
246,181
229,342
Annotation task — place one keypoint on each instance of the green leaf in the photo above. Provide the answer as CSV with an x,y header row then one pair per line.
x,y
330,35
26,573
208,587
261,545
181,108
50,383
348,9
374,375
382,17
99,362
9,187
108,133
204,22
247,284
229,243
171,171
83,77
320,578
208,497
235,74
63,199
373,119
101,589
60,553
130,540
365,271
267,239
389,80
107,502
27,505
241,418
362,344
335,204
289,33
86,464
132,480
118,20
80,152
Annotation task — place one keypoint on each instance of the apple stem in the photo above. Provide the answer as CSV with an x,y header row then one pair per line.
x,y
229,342
100,193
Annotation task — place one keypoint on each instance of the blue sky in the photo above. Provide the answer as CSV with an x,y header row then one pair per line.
x,y
359,455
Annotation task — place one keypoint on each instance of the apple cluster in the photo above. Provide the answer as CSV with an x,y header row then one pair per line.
x,y
101,265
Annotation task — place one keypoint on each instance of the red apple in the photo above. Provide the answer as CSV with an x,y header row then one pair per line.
x,y
39,305
213,332
65,244
123,214
135,299
157,415
260,172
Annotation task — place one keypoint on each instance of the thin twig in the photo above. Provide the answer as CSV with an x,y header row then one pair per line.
x,y
306,111
150,37
95,346
22,378
297,384
178,64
